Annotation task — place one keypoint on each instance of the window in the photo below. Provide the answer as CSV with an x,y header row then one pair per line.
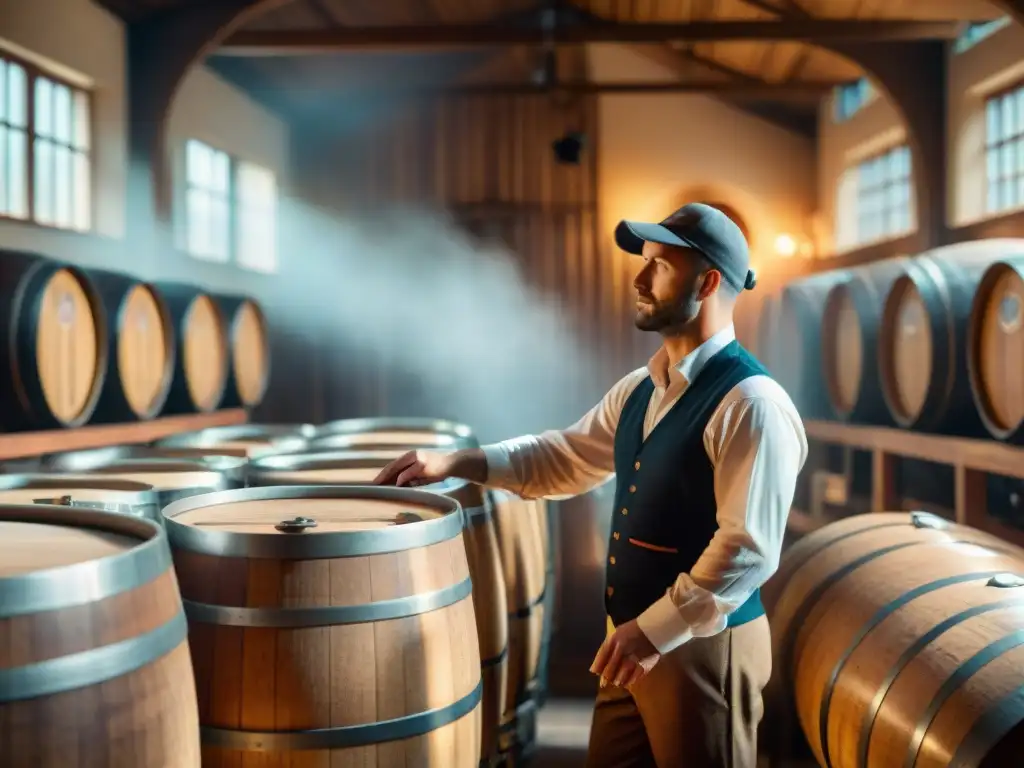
x,y
884,196
1004,150
230,209
45,173
975,33
849,99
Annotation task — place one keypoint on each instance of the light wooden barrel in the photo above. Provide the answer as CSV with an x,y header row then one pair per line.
x,y
796,353
995,349
249,361
94,665
849,342
414,432
124,497
522,554
87,459
174,479
240,439
330,624
361,441
140,336
53,344
542,510
201,363
901,637
485,568
922,350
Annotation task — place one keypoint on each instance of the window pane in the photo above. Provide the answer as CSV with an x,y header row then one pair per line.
x,y
1007,187
44,212
17,191
221,172
198,222
62,187
83,193
3,170
992,121
197,164
992,198
83,127
17,95
1019,97
1009,111
62,114
1007,160
44,107
992,163
3,90
220,229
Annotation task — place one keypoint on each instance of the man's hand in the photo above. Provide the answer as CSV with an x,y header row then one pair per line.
x,y
625,657
417,468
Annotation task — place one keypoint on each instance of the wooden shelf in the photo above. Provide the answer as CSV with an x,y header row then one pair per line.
x,y
23,444
971,460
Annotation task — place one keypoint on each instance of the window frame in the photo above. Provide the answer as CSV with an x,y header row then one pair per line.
x,y
880,188
235,206
33,72
1015,93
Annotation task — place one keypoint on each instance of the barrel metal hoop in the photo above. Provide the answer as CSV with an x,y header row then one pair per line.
x,y
527,610
476,515
320,546
147,510
879,616
333,615
375,425
990,728
495,660
92,667
82,583
344,736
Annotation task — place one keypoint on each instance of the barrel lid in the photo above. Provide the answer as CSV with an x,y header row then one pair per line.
x,y
243,434
27,547
311,522
164,474
396,429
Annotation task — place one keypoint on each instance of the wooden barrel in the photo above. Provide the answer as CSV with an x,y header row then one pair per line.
x,y
900,636
362,440
995,349
796,351
201,363
240,439
767,330
485,568
90,458
542,511
413,432
330,624
249,361
140,336
94,667
849,342
522,555
124,497
922,350
174,479
53,344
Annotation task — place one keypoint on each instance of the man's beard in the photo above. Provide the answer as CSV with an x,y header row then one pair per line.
x,y
665,318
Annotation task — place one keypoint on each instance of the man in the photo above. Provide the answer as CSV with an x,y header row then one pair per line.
x,y
706,449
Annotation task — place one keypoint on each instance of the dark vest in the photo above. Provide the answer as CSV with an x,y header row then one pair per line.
x,y
664,515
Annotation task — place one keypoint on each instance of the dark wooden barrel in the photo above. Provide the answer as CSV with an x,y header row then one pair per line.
x,y
922,345
249,346
240,439
410,431
173,479
900,638
123,497
350,617
53,344
201,361
796,350
995,349
94,665
849,342
485,566
140,336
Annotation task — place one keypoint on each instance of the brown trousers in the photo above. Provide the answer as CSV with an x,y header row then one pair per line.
x,y
698,708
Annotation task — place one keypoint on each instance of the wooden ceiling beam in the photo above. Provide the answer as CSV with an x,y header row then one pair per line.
x,y
794,92
307,42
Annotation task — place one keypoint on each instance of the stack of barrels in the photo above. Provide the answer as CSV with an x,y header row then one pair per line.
x,y
324,616
933,343
898,639
92,346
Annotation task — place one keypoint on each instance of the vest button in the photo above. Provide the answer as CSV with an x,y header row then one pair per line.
x,y
615,535
610,591
637,465
612,560
625,511
632,489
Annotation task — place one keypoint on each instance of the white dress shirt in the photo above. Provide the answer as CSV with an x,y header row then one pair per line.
x,y
756,443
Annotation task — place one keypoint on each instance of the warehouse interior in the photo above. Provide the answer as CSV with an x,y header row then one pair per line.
x,y
331,211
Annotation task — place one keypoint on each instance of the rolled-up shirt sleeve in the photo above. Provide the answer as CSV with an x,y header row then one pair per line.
x,y
563,463
757,455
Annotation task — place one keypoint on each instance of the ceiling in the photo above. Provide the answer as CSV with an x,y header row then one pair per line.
x,y
318,86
